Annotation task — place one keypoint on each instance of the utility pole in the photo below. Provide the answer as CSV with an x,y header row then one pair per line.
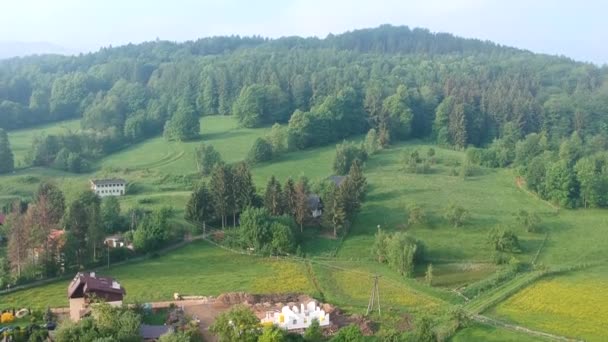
x,y
374,299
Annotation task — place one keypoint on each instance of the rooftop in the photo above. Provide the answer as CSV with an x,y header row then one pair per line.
x,y
152,332
88,282
108,181
337,179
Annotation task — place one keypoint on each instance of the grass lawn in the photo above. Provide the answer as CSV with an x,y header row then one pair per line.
x,y
21,140
162,173
197,269
478,332
573,305
490,196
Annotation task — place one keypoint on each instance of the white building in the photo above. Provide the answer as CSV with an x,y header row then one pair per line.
x,y
295,318
108,187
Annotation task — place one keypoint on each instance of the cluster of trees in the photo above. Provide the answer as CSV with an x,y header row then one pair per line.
x,y
230,190
110,323
571,172
346,155
413,162
402,83
399,250
48,236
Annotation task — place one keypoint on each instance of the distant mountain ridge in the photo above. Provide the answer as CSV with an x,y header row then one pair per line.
x,y
10,49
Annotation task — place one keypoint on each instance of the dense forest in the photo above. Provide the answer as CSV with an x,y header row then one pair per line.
x,y
405,83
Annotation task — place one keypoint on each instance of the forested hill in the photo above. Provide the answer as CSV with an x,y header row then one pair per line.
x,y
405,83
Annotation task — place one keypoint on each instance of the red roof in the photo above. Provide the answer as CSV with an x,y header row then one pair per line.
x,y
2,218
86,284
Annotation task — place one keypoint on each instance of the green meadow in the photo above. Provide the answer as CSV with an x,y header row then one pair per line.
x,y
162,173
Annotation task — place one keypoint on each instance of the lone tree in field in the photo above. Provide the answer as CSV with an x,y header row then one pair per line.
x,y
530,221
456,215
261,151
415,214
428,276
7,162
273,197
207,157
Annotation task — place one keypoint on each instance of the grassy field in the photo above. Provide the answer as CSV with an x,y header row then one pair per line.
x,y
21,140
478,332
572,305
197,269
162,173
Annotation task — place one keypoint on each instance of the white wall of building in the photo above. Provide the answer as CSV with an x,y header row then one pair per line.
x,y
111,189
295,318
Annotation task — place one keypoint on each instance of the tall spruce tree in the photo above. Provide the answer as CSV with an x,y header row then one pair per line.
x,y
7,162
200,208
273,197
243,188
220,186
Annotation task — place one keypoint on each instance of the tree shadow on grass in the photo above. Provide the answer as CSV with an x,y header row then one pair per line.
x,y
209,137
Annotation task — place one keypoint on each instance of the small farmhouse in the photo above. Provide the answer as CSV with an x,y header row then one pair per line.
x,y
108,187
315,205
297,318
338,180
88,286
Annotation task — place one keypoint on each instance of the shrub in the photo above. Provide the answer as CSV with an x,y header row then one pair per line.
x,y
7,317
260,151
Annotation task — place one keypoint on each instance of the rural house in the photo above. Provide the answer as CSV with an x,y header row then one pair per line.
x,y
108,187
338,180
297,318
88,286
315,205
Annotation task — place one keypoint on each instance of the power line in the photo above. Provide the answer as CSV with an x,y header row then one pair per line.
x,y
374,299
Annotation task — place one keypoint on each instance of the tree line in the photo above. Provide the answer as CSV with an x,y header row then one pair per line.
x,y
401,82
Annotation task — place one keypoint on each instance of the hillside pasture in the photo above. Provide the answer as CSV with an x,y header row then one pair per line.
x,y
572,305
197,269
21,139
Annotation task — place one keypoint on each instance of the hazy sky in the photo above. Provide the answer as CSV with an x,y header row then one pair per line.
x,y
578,29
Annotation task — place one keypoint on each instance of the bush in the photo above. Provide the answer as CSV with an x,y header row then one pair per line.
x,y
7,317
504,241
260,151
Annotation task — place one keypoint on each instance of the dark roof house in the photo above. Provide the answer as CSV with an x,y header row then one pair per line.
x,y
338,180
152,332
87,285
314,202
117,181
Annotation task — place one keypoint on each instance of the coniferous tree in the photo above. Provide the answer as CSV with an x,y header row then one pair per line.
x,y
200,208
273,197
243,189
301,210
207,157
7,163
220,186
289,196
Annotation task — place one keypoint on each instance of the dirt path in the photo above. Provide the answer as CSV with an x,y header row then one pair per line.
x,y
491,321
521,185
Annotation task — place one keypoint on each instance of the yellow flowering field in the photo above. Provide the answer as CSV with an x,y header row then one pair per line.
x,y
283,277
573,306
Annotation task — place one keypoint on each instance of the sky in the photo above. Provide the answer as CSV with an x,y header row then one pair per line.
x,y
577,29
